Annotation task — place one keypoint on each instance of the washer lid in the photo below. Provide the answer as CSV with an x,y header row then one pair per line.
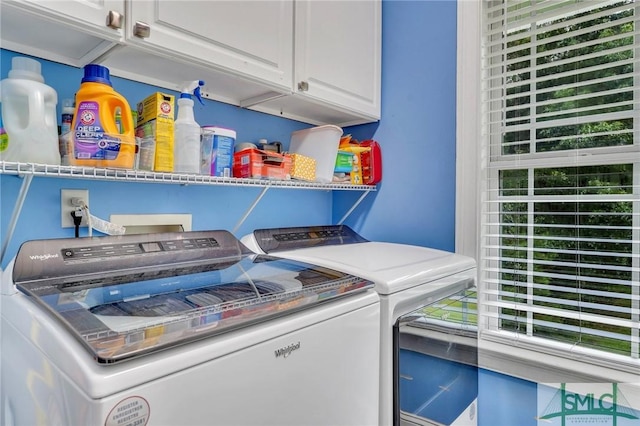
x,y
392,267
126,296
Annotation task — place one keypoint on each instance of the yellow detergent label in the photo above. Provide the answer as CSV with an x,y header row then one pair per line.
x,y
4,140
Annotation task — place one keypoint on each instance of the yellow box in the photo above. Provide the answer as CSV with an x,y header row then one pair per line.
x,y
356,171
303,167
355,175
155,119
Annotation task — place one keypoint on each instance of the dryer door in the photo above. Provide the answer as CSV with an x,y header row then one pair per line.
x,y
435,363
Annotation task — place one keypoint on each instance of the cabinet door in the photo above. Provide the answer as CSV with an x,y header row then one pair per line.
x,y
73,32
337,53
253,39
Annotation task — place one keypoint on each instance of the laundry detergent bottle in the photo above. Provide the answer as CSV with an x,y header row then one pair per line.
x,y
29,115
186,145
99,139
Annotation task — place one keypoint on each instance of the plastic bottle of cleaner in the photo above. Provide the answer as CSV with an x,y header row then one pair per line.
x,y
64,139
29,115
186,150
97,141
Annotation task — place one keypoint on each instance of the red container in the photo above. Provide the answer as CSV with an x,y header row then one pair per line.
x,y
258,164
371,162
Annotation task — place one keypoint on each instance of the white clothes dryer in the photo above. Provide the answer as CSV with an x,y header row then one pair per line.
x,y
412,282
183,329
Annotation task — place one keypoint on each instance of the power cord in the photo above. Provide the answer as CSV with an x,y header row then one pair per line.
x,y
85,211
82,211
77,220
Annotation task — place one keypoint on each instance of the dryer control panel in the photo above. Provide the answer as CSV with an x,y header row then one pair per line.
x,y
281,239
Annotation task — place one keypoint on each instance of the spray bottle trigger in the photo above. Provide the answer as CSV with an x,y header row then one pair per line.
x,y
197,93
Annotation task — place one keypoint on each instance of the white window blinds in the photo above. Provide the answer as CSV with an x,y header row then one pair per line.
x,y
560,228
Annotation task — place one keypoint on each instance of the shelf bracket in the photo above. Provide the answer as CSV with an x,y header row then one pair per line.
x,y
250,209
346,215
17,208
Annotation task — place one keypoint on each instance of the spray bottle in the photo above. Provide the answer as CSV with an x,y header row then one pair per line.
x,y
186,151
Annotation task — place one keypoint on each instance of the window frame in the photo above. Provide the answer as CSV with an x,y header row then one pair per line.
x,y
531,358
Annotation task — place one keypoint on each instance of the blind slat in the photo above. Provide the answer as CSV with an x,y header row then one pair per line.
x,y
602,254
580,290
564,313
565,277
613,116
561,264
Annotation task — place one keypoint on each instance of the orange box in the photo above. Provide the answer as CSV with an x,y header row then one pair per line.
x,y
303,167
259,164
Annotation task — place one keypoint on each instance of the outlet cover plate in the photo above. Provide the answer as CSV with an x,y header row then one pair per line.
x,y
66,207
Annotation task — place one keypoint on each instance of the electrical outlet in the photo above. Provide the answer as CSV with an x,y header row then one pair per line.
x,y
67,197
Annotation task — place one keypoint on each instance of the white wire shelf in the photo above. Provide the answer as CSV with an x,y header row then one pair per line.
x,y
29,170
128,175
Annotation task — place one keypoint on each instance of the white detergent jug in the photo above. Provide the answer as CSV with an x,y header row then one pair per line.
x,y
29,115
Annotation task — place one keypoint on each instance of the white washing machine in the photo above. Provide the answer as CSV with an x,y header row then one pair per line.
x,y
183,329
413,283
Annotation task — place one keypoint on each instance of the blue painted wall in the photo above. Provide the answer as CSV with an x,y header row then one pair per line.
x,y
415,203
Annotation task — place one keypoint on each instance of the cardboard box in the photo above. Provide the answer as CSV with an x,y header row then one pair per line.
x,y
356,170
155,119
303,167
355,175
344,162
258,164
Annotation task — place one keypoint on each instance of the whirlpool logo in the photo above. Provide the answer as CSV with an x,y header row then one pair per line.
x,y
287,350
44,257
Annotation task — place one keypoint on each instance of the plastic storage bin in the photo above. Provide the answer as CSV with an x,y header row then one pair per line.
x,y
258,164
320,143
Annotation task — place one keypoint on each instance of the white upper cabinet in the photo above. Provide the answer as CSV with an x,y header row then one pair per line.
x,y
310,60
250,38
337,63
337,53
74,32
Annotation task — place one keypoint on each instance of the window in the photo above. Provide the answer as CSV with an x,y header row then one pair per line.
x,y
559,245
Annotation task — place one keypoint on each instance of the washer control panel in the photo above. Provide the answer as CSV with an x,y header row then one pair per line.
x,y
93,260
128,249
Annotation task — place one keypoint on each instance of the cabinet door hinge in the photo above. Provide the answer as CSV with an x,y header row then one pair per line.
x,y
303,86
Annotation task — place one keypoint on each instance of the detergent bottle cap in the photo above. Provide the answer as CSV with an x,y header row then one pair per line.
x,y
26,68
94,73
192,87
